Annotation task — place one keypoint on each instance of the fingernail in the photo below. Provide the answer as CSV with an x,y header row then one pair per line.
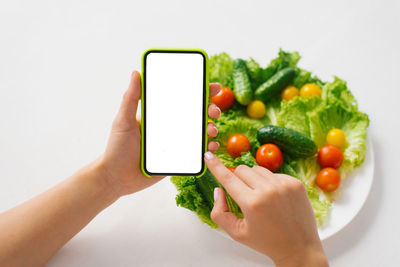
x,y
135,74
209,155
216,193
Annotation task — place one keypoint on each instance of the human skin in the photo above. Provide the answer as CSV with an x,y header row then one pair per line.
x,y
33,231
278,217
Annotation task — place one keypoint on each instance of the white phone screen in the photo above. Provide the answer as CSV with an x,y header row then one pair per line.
x,y
174,112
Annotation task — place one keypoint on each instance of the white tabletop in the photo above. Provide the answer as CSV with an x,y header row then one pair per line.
x,y
64,68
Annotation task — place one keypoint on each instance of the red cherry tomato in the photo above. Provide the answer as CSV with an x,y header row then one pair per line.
x,y
224,99
237,144
328,179
269,156
330,156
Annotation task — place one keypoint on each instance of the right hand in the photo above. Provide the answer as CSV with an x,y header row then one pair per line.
x,y
278,217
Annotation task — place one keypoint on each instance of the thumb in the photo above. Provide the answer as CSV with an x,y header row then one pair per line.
x,y
126,117
223,217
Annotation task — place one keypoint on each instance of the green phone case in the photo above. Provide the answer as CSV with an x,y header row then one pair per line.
x,y
205,108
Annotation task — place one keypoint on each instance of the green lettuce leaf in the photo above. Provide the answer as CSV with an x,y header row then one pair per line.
x,y
337,91
320,207
197,194
246,159
306,169
221,69
234,122
284,59
301,169
191,198
354,124
272,110
294,114
314,117
303,77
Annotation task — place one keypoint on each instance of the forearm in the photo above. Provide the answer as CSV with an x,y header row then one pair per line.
x,y
33,231
310,257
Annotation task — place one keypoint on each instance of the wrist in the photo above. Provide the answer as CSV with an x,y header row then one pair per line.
x,y
309,257
108,190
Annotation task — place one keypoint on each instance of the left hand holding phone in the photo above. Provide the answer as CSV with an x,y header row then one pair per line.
x,y
59,213
121,160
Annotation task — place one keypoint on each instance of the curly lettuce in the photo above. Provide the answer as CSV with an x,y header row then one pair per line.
x,y
233,122
197,194
354,124
221,69
246,159
301,169
337,108
303,77
314,117
259,75
191,198
294,114
337,91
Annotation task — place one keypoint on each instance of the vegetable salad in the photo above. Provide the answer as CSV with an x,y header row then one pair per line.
x,y
265,112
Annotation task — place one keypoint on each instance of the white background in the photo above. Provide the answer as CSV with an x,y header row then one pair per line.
x,y
64,66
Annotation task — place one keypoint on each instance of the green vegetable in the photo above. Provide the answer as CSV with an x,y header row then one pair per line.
x,y
299,169
234,122
205,185
353,123
272,111
337,91
293,114
221,69
246,159
312,117
320,207
303,77
191,198
290,141
197,194
315,117
274,85
241,83
284,60
254,71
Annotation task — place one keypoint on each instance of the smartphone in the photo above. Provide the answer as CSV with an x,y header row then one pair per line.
x,y
174,103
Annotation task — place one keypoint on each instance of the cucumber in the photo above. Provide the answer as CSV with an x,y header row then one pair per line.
x,y
289,141
241,83
274,85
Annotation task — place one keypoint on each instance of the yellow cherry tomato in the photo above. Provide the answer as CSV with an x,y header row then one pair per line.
x,y
310,89
289,93
256,109
336,137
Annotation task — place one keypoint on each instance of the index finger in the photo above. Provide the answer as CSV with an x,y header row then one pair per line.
x,y
235,187
214,89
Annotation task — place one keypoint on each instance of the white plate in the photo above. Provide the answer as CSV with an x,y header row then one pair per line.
x,y
355,190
